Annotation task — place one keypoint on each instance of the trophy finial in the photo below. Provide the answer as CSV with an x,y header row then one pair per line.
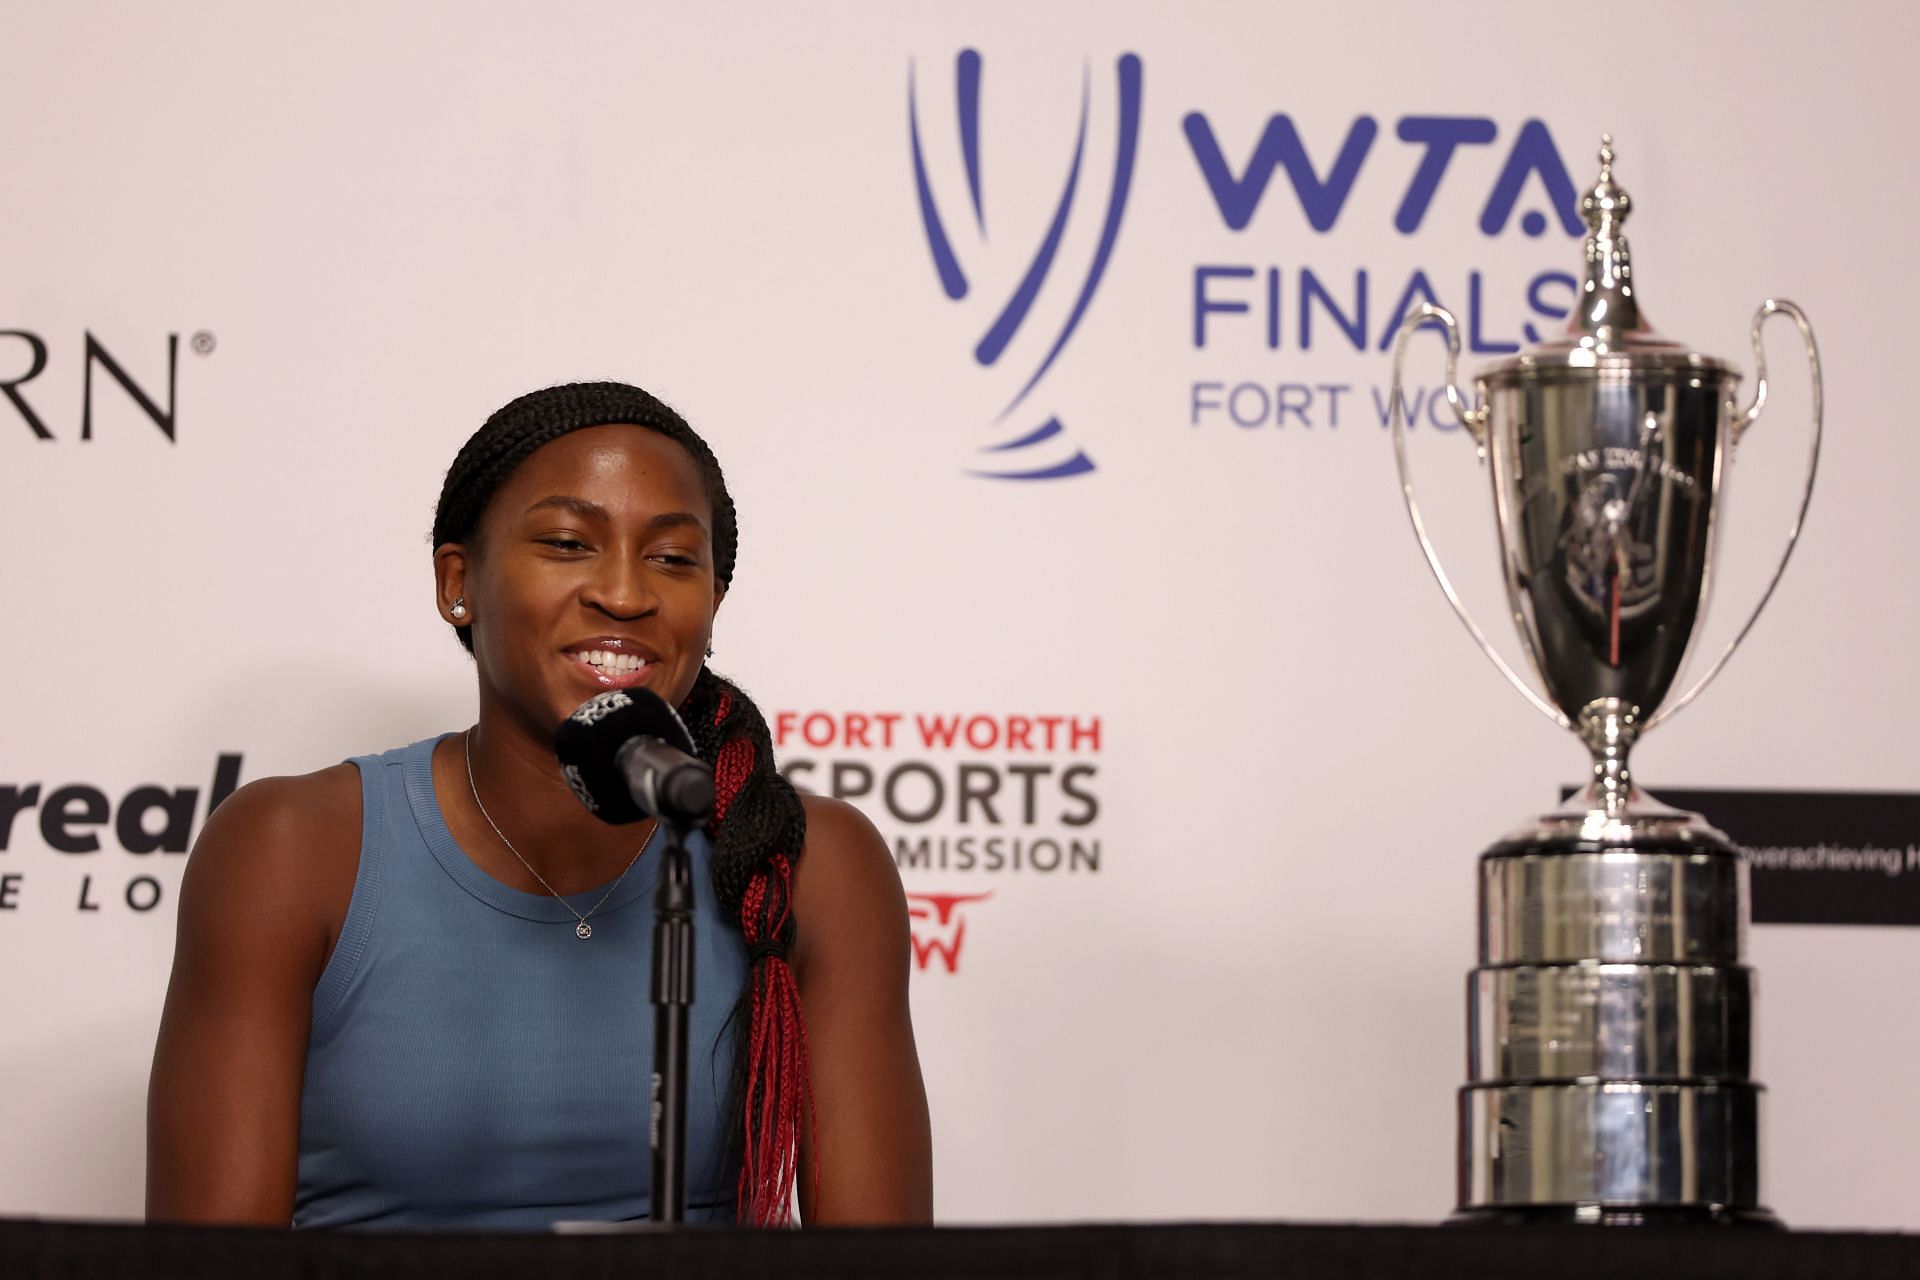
x,y
1607,205
1608,310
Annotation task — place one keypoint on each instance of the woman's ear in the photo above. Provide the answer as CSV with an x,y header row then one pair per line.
x,y
450,583
719,594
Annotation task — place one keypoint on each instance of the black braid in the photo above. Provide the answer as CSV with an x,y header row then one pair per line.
x,y
764,817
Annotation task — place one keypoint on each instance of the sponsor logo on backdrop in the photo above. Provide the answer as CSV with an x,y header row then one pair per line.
x,y
964,800
939,923
1039,447
1284,311
95,849
1822,857
1819,857
25,356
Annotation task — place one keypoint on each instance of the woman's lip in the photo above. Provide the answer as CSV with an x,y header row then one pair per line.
x,y
612,644
612,679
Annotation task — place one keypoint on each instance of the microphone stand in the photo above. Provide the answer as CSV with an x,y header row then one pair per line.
x,y
672,999
647,748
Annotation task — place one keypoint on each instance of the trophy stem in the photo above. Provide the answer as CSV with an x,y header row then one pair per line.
x,y
1609,727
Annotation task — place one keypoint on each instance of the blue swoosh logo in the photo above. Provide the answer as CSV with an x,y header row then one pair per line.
x,y
1006,325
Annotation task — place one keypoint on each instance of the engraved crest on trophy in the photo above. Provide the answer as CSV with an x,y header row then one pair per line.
x,y
1609,1020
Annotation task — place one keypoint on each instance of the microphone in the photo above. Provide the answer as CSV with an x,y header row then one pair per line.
x,y
627,756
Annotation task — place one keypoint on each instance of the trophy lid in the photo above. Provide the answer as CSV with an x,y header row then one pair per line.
x,y
1608,330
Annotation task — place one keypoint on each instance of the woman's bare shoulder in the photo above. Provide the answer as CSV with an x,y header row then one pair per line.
x,y
844,842
282,848
297,817
846,876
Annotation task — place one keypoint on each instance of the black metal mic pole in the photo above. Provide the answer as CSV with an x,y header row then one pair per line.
x,y
672,998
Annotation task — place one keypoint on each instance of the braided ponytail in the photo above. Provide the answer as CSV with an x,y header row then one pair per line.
x,y
759,825
759,828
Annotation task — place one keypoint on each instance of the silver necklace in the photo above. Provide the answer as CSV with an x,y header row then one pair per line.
x,y
583,930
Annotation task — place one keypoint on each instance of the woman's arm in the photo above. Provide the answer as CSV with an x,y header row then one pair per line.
x,y
263,894
851,960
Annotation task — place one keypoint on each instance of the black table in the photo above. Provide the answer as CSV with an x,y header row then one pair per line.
x,y
1343,1252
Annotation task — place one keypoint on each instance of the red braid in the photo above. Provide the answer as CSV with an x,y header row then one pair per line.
x,y
778,1096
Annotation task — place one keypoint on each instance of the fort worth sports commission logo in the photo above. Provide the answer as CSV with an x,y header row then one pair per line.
x,y
962,798
1279,327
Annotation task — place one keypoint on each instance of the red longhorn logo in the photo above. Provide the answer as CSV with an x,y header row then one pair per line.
x,y
938,927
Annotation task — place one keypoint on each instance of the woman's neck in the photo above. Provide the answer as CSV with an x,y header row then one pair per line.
x,y
523,807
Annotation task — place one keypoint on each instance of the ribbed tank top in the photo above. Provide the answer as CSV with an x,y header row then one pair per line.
x,y
474,1064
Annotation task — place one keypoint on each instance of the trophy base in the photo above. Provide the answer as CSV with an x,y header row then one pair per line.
x,y
1682,1217
1544,903
1610,1027
1624,1144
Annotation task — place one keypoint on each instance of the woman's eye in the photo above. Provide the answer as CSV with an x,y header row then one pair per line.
x,y
678,559
563,544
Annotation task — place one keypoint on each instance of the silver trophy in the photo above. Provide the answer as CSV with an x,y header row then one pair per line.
x,y
1609,1021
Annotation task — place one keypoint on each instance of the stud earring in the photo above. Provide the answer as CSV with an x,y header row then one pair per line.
x,y
459,609
709,648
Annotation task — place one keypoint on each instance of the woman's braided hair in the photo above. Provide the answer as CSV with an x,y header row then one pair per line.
x,y
759,825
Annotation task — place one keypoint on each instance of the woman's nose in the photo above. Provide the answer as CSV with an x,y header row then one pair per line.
x,y
619,586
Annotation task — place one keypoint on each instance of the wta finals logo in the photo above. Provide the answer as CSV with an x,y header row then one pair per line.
x,y
1037,447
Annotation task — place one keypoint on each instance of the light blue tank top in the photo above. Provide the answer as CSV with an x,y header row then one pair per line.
x,y
475,1064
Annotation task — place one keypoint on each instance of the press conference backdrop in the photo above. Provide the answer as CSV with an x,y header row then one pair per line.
x,y
1045,348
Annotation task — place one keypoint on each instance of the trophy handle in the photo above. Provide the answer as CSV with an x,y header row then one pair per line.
x,y
1475,422
1743,419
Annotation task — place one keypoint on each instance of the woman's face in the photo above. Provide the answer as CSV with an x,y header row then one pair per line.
x,y
592,569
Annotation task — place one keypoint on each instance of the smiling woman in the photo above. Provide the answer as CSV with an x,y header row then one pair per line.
x,y
409,990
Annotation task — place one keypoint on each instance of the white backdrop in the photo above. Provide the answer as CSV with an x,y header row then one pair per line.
x,y
368,225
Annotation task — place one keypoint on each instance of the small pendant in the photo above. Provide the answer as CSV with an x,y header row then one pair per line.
x,y
583,930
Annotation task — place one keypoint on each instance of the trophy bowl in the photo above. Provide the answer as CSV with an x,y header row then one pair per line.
x,y
1609,1020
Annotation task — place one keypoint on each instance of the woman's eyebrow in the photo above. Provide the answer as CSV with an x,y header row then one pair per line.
x,y
579,506
594,511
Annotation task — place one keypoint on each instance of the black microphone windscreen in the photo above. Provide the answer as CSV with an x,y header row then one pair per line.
x,y
588,744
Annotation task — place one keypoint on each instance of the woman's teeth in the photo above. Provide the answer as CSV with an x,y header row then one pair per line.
x,y
612,663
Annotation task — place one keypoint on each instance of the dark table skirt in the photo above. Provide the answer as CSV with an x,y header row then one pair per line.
x,y
1343,1252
